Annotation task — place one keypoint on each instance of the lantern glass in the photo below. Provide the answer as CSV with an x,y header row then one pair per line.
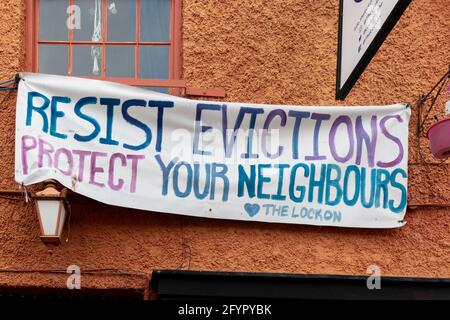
x,y
52,215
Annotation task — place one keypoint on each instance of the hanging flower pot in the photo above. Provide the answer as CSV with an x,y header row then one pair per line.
x,y
439,132
439,136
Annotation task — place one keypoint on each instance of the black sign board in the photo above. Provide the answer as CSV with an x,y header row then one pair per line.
x,y
363,27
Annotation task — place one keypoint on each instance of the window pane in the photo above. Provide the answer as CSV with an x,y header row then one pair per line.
x,y
52,20
155,20
154,62
90,20
87,61
53,59
121,20
120,61
158,89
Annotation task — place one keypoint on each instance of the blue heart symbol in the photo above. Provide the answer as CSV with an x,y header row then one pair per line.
x,y
252,209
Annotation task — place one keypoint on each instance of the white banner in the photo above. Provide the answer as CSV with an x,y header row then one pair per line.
x,y
130,147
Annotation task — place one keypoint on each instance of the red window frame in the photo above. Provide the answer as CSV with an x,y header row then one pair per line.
x,y
32,42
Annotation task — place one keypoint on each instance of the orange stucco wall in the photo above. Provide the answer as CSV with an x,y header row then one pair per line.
x,y
279,52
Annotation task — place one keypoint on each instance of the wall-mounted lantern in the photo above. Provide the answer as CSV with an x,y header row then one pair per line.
x,y
51,207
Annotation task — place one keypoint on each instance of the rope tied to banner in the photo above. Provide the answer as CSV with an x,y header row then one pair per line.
x,y
10,84
25,193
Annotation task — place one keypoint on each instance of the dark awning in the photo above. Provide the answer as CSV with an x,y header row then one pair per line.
x,y
179,284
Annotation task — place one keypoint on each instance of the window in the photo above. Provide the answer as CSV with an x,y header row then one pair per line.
x,y
136,42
